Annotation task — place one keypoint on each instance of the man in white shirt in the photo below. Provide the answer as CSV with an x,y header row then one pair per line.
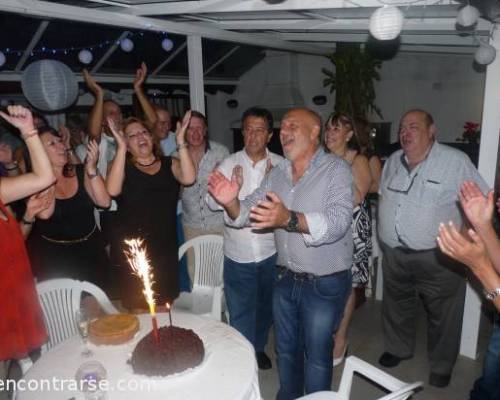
x,y
250,255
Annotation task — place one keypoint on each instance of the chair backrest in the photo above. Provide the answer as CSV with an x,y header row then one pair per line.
x,y
355,365
60,299
208,259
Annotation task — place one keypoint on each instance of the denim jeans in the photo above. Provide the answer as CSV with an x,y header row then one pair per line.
x,y
248,288
307,312
487,387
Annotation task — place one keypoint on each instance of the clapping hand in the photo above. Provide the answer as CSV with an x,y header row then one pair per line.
x,y
65,136
180,131
92,158
117,134
37,203
269,166
223,190
270,213
140,76
477,207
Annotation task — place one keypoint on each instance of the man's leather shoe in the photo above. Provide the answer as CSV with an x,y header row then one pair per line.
x,y
439,380
263,360
389,360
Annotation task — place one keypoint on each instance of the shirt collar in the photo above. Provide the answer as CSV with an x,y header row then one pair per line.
x,y
247,158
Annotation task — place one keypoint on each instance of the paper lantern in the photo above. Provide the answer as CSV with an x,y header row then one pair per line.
x,y
386,23
485,54
127,45
467,16
167,44
49,85
85,56
2,59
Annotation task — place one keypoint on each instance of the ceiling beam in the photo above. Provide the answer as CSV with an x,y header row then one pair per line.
x,y
109,52
33,42
12,76
169,58
227,6
221,60
73,13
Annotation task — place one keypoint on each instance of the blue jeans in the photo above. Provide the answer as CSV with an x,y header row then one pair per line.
x,y
248,288
488,386
307,312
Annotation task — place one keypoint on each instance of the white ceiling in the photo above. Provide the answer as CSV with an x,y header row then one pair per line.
x,y
307,26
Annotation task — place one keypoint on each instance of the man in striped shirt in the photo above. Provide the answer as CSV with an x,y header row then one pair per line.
x,y
307,199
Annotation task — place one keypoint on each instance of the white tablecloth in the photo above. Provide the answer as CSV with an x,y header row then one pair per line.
x,y
229,370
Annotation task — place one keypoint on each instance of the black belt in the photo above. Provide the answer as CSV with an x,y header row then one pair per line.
x,y
407,250
303,276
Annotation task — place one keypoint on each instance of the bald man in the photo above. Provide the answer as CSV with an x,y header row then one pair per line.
x,y
307,200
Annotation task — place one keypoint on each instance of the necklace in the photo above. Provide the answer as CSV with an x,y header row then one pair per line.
x,y
146,165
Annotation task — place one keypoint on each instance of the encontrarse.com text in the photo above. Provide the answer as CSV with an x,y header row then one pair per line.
x,y
57,385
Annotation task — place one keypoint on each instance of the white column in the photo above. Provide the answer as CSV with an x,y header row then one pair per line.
x,y
488,154
195,64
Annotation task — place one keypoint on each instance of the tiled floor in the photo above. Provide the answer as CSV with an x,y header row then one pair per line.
x,y
366,343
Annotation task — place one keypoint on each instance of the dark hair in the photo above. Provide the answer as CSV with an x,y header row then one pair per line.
x,y
343,119
201,116
75,125
69,168
362,131
259,113
41,117
156,144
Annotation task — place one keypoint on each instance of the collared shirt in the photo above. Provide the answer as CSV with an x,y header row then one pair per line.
x,y
107,151
168,144
195,211
245,245
324,194
413,203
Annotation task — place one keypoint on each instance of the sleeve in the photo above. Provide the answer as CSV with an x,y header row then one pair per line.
x,y
332,222
471,173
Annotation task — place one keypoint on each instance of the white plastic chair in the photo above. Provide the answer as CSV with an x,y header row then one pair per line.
x,y
206,296
399,390
60,299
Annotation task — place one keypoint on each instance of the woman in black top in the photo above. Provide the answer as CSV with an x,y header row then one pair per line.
x,y
146,187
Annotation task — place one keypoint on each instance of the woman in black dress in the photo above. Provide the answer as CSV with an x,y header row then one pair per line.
x,y
146,187
66,242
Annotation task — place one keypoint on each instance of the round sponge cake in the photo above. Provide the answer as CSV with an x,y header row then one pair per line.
x,y
113,329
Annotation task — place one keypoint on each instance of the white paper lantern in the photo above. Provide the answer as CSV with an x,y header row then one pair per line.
x,y
127,45
386,23
85,56
467,16
167,44
49,85
2,59
485,54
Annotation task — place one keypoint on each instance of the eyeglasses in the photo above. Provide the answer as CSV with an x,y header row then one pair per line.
x,y
403,191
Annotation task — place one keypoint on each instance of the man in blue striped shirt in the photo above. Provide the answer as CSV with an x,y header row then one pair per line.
x,y
307,199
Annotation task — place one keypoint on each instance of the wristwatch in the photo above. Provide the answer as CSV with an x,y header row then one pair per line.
x,y
293,222
491,295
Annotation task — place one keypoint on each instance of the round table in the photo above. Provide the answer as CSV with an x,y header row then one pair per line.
x,y
229,370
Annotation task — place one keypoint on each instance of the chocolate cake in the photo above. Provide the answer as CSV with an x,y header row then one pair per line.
x,y
177,350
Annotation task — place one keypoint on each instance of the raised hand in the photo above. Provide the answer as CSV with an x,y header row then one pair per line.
x,y
223,190
140,76
238,174
65,136
477,207
92,157
20,117
91,83
270,213
180,131
6,154
454,244
117,134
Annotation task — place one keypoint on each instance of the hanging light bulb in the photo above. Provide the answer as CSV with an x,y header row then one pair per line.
x,y
485,54
167,44
127,45
85,56
386,23
467,16
2,59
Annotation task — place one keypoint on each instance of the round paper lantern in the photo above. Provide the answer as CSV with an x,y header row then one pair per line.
x,y
127,45
167,44
85,56
467,16
485,54
49,85
2,59
386,23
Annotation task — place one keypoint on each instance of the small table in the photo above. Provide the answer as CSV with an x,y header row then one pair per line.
x,y
229,370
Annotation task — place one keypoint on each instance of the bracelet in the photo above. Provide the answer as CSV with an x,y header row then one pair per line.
x,y
26,222
493,294
182,145
16,166
31,133
94,175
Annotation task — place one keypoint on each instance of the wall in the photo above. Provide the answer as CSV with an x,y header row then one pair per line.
x,y
445,85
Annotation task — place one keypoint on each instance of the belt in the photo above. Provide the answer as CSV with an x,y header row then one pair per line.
x,y
407,250
71,241
303,276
